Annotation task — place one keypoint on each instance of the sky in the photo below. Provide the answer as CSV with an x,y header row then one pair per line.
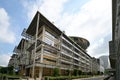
x,y
90,19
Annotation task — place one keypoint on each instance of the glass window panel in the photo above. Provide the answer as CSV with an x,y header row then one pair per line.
x,y
48,41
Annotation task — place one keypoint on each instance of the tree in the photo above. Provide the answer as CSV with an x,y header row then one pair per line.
x,y
98,72
7,70
56,72
79,72
3,70
10,70
75,72
68,72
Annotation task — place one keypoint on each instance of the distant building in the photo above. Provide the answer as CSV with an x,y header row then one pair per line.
x,y
44,47
104,61
95,65
114,45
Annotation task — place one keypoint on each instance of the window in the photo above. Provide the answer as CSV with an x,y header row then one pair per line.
x,y
48,41
49,60
49,34
49,51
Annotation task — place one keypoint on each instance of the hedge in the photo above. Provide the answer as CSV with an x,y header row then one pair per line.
x,y
66,77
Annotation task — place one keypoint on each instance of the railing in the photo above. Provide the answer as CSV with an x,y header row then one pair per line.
x,y
65,66
67,48
65,59
66,54
67,41
68,62
49,62
50,54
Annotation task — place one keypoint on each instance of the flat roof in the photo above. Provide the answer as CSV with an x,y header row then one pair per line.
x,y
42,21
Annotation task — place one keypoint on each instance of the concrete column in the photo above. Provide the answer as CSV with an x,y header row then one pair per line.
x,y
40,73
41,58
42,48
33,71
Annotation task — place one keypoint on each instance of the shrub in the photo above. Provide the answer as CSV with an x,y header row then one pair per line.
x,y
65,77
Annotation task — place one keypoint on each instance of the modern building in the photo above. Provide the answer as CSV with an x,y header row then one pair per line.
x,y
45,47
114,45
104,61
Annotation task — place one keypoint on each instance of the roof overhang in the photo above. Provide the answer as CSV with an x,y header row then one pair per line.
x,y
42,21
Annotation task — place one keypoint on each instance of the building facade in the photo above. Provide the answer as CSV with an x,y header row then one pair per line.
x,y
13,61
97,68
114,45
45,47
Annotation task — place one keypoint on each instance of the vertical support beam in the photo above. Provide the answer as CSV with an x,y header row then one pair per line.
x,y
33,71
42,52
42,48
40,73
22,49
59,52
72,67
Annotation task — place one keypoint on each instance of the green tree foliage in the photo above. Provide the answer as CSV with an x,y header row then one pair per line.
x,y
75,72
79,72
98,72
3,70
68,72
7,70
56,72
10,70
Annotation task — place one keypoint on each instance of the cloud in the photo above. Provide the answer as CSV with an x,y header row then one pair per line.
x,y
100,47
52,9
4,59
6,35
92,20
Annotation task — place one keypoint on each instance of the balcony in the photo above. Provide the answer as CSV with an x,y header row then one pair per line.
x,y
65,66
32,46
67,48
66,54
66,62
50,54
49,62
65,59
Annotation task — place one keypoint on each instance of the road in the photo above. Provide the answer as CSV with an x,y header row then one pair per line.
x,y
92,78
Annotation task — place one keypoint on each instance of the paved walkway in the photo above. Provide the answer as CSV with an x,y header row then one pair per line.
x,y
92,78
111,78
